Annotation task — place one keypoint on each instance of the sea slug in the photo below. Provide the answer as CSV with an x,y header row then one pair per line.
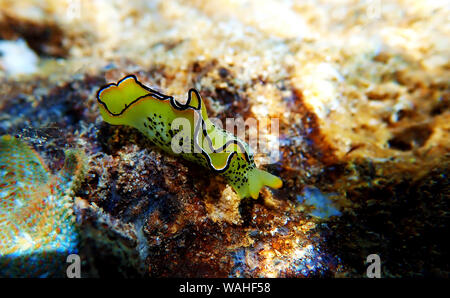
x,y
184,129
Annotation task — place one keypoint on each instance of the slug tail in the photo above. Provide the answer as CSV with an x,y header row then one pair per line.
x,y
257,179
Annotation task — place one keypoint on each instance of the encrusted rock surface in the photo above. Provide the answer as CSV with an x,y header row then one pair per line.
x,y
361,91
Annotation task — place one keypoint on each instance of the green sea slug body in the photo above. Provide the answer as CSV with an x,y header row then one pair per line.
x,y
184,129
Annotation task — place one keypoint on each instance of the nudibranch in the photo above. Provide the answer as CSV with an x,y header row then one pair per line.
x,y
184,129
37,224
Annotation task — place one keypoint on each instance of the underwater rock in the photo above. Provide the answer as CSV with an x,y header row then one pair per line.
x,y
17,58
322,206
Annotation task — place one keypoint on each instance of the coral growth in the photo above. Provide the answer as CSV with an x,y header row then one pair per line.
x,y
37,225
